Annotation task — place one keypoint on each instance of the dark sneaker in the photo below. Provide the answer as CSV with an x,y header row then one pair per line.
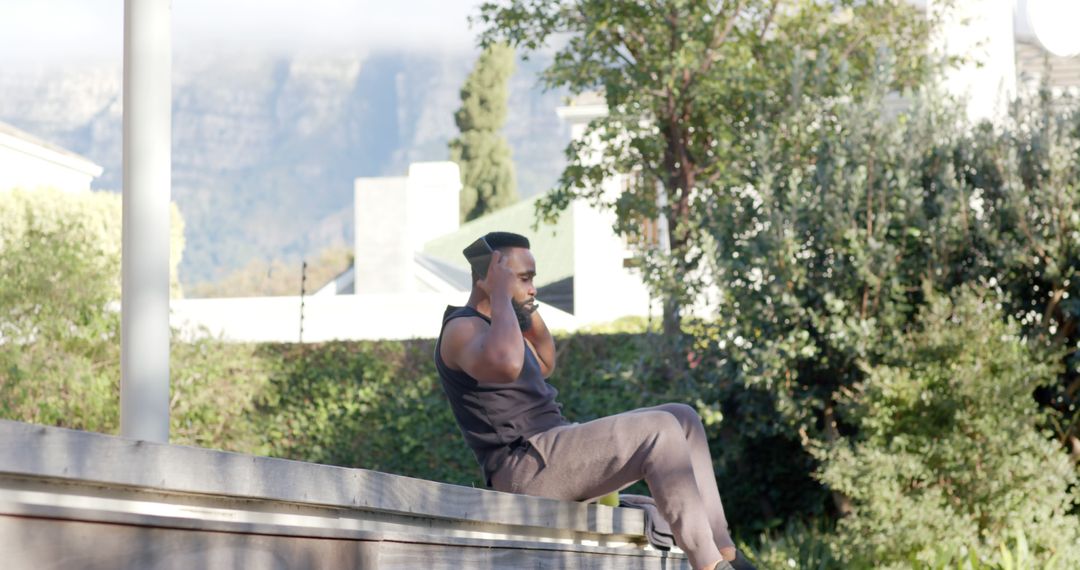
x,y
741,563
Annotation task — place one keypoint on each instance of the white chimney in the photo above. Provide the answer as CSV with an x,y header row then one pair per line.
x,y
395,217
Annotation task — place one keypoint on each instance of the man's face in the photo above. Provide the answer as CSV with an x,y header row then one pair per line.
x,y
523,293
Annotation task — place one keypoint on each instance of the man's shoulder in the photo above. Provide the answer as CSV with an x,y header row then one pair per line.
x,y
464,324
465,312
457,334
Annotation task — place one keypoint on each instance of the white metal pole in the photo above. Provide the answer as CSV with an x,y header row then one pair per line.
x,y
144,332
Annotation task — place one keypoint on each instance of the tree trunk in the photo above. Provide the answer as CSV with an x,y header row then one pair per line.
x,y
842,502
679,181
672,317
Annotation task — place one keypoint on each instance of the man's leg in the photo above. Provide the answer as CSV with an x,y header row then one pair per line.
x,y
703,470
585,461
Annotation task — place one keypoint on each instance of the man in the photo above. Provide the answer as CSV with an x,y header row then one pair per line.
x,y
494,356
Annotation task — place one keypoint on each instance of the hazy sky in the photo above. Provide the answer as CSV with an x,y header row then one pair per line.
x,y
34,32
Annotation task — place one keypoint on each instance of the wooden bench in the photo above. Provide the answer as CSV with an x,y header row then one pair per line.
x,y
72,499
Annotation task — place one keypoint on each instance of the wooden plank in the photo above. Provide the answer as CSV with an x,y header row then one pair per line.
x,y
40,451
69,500
402,556
34,543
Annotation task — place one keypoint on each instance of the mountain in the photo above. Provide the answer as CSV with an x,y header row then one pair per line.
x,y
265,151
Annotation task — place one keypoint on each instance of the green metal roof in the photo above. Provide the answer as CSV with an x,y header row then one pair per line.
x,y
552,245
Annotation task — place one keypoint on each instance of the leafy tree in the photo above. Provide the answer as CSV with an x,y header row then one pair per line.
x,y
824,256
857,218
1028,170
487,171
689,84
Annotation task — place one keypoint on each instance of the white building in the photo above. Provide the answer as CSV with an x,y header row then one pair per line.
x,y
28,162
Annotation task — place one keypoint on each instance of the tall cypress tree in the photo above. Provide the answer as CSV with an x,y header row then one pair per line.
x,y
487,171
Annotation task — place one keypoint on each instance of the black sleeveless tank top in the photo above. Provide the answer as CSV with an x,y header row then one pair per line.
x,y
496,418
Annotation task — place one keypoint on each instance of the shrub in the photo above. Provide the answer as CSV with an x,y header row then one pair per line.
x,y
59,341
949,453
215,389
796,545
375,405
379,405
59,324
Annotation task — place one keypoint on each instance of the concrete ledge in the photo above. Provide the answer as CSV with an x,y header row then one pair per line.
x,y
78,486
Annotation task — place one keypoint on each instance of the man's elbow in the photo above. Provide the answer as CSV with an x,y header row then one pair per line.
x,y
505,368
508,372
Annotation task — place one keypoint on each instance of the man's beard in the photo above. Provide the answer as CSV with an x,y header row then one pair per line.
x,y
524,312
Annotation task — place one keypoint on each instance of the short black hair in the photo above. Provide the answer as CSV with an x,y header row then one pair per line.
x,y
499,240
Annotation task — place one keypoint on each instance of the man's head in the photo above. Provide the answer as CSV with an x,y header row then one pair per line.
x,y
515,249
480,257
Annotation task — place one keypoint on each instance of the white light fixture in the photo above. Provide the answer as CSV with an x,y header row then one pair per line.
x,y
1055,24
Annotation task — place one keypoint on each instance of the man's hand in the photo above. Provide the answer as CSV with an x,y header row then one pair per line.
x,y
497,282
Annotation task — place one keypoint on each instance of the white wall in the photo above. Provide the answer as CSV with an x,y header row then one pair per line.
x,y
604,289
26,165
433,201
345,317
983,31
395,217
382,255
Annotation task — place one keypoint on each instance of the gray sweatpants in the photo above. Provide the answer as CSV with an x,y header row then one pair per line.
x,y
665,445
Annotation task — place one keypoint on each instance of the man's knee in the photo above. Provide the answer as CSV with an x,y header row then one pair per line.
x,y
686,415
666,425
665,440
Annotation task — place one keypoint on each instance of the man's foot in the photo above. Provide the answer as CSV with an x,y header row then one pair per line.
x,y
733,559
741,563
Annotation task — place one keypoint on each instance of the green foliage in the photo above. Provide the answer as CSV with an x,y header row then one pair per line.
x,y
948,452
215,389
93,217
364,404
59,323
628,324
807,547
1030,172
796,545
487,170
890,289
59,341
689,84
854,218
59,338
379,405
823,257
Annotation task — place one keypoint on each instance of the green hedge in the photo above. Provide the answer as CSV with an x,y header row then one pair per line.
x,y
378,405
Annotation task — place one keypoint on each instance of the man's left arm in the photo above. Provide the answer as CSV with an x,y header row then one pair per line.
x,y
543,344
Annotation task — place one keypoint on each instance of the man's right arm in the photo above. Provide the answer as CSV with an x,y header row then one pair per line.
x,y
488,353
